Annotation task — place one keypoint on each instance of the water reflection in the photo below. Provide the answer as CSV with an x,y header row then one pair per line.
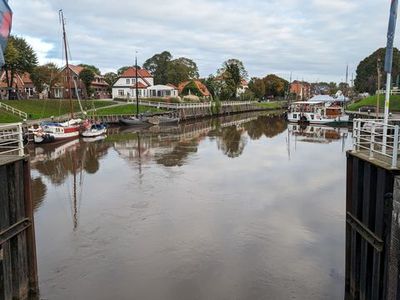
x,y
210,209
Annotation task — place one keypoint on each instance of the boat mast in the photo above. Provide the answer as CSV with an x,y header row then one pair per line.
x,y
137,95
67,63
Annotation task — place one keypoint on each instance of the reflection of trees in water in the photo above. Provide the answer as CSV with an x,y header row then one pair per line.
x,y
39,190
179,153
232,141
268,126
76,157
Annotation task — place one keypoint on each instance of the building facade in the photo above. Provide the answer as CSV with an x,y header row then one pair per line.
x,y
126,85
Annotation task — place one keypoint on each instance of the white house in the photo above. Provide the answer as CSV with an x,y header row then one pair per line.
x,y
125,86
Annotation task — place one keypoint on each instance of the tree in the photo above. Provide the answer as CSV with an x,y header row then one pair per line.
x,y
87,76
232,73
19,58
367,75
110,78
257,86
158,65
181,69
45,76
91,67
275,86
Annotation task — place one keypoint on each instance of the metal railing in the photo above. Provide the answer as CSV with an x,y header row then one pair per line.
x,y
377,140
11,139
13,110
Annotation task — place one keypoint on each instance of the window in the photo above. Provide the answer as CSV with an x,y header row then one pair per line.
x,y
128,81
120,92
295,116
312,117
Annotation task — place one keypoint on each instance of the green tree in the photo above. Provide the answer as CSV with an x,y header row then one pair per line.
x,y
257,86
275,86
110,78
91,67
87,76
158,65
19,58
232,73
367,75
181,69
45,76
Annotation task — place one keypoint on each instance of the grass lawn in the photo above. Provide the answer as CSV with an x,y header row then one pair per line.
x,y
270,105
37,109
6,117
371,101
125,109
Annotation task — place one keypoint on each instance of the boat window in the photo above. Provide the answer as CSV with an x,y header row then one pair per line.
x,y
312,117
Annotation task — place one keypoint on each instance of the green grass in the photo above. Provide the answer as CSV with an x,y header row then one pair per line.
x,y
270,105
125,109
37,109
6,117
371,101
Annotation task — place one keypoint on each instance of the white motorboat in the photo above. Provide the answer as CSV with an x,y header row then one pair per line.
x,y
316,113
94,130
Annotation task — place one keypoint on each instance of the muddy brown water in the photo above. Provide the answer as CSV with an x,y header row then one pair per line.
x,y
241,207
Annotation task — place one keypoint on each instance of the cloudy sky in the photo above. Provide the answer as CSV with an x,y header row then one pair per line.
x,y
313,39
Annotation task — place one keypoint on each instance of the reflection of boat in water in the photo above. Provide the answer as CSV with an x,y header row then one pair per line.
x,y
317,113
94,139
316,134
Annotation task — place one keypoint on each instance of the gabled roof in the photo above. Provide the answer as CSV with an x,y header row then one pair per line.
x,y
131,72
76,69
200,86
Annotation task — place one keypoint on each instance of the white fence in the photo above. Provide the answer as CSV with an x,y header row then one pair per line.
x,y
13,110
11,139
378,140
192,105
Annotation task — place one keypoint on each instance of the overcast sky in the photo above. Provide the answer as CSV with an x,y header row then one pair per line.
x,y
313,39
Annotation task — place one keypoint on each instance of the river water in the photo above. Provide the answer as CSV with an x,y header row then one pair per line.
x,y
241,207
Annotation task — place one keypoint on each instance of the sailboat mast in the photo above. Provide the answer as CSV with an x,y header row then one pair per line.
x,y
137,95
67,63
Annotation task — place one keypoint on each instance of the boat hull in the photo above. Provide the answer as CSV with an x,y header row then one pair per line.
x,y
134,122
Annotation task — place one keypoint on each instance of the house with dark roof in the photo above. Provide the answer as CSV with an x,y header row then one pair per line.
x,y
126,85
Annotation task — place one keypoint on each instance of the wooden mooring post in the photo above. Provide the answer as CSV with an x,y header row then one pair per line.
x,y
18,267
372,229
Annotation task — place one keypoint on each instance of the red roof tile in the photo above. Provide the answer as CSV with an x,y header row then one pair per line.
x,y
140,85
131,72
76,69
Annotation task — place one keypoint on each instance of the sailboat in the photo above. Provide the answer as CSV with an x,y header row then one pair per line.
x,y
54,131
137,120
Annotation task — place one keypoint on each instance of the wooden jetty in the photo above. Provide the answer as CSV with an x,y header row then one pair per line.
x,y
18,270
373,212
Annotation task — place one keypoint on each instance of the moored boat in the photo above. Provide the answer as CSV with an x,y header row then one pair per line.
x,y
135,121
317,113
94,130
51,131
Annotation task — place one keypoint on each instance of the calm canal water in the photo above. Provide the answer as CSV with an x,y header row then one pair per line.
x,y
242,207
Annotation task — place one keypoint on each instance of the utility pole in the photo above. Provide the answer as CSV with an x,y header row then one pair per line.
x,y
378,69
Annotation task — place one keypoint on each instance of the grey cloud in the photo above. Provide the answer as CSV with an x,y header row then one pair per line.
x,y
313,39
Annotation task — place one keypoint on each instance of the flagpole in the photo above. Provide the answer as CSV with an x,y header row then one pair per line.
x,y
388,66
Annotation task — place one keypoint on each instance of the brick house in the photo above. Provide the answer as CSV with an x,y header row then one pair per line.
x,y
99,86
302,89
23,87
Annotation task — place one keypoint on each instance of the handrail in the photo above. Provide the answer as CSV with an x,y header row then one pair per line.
x,y
192,105
375,137
14,110
11,139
